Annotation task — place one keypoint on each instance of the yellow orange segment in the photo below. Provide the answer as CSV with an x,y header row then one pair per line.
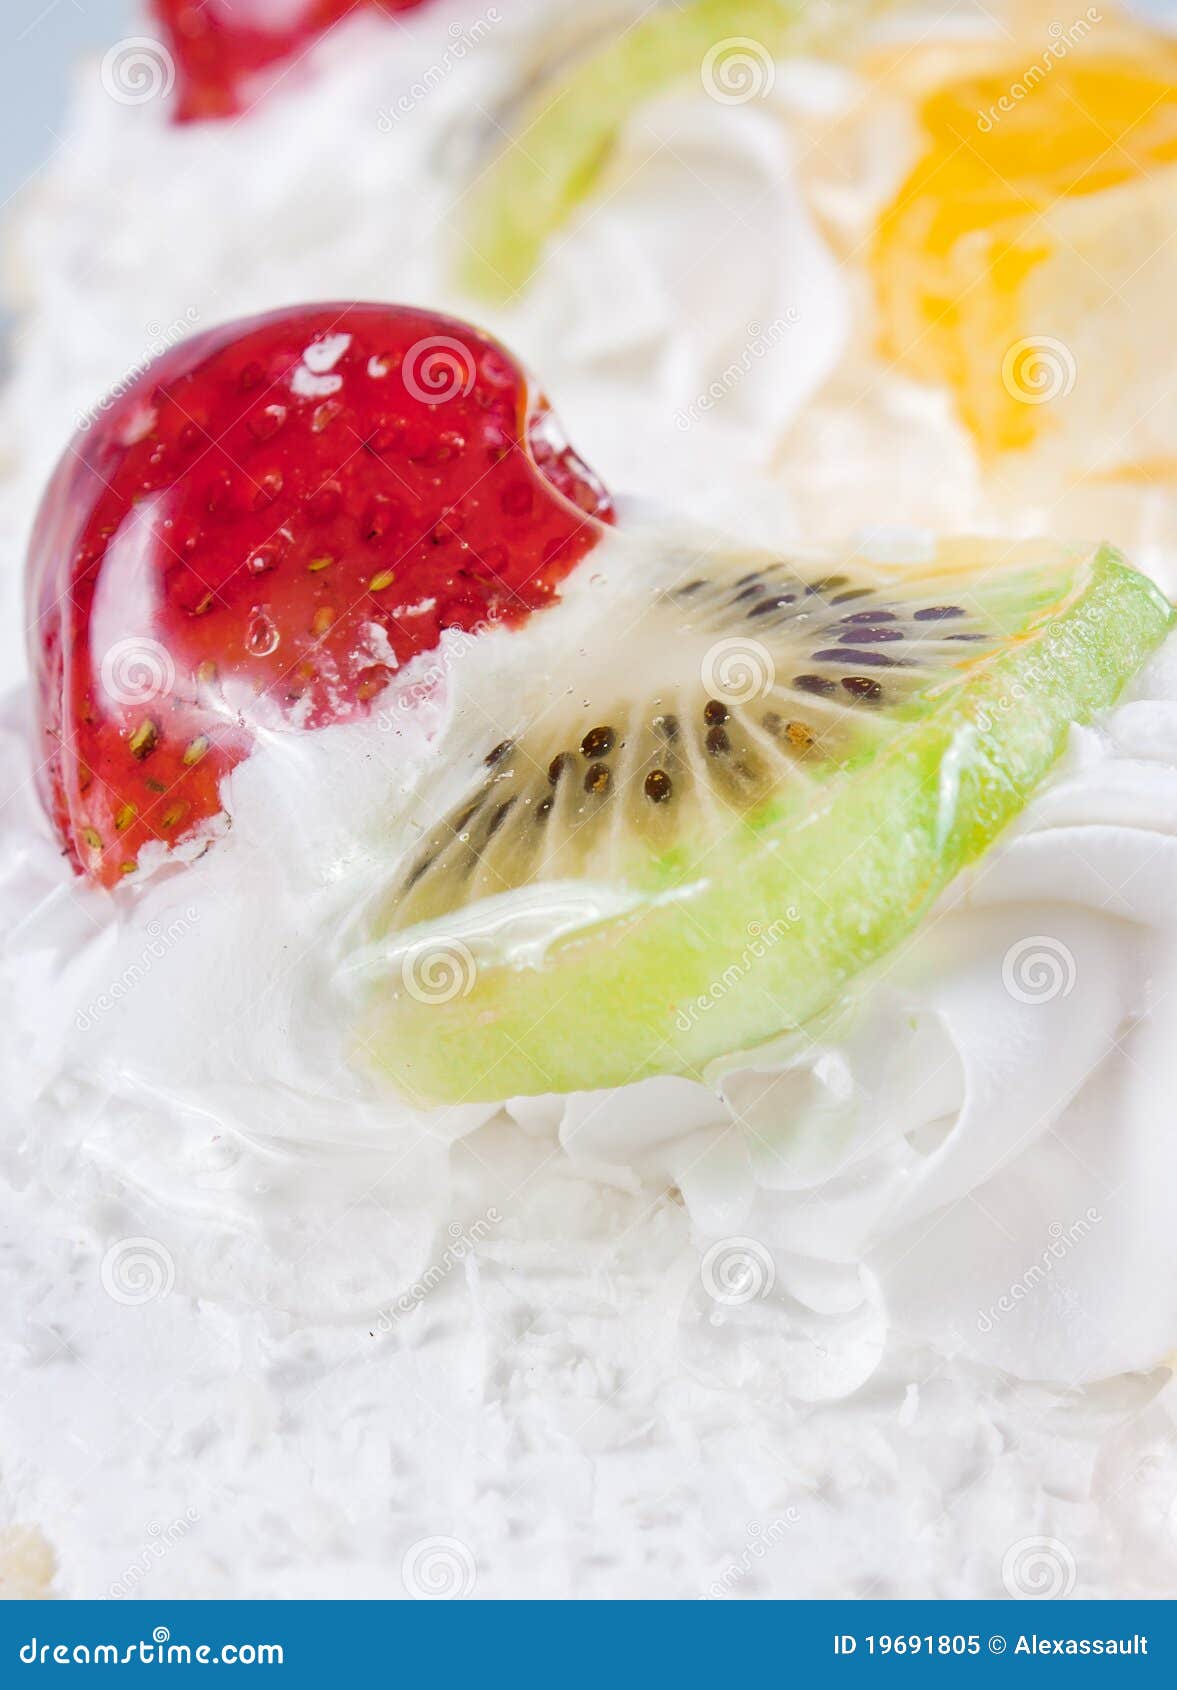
x,y
1026,258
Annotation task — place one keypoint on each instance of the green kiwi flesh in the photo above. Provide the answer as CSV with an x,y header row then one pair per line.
x,y
778,771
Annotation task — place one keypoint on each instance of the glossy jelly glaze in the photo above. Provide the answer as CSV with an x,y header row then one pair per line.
x,y
258,531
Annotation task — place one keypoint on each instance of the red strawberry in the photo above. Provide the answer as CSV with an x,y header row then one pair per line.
x,y
224,48
262,527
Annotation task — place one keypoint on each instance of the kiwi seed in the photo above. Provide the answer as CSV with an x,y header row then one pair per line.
x,y
598,742
498,818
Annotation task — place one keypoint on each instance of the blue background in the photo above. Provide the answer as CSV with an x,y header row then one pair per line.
x,y
573,1644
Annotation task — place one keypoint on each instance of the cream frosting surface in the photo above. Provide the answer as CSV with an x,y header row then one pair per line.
x,y
730,1340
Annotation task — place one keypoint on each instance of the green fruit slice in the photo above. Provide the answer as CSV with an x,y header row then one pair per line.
x,y
566,132
727,796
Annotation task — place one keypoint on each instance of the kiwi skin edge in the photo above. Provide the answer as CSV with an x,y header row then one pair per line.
x,y
568,132
858,872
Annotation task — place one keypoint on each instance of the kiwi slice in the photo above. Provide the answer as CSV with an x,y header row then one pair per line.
x,y
567,128
734,791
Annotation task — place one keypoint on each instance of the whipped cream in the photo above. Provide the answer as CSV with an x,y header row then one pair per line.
x,y
736,1339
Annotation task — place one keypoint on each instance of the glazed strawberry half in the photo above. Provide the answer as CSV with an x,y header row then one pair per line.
x,y
228,51
259,532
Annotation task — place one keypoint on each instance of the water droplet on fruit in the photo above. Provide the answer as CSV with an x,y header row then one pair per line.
x,y
495,372
267,490
378,519
447,445
265,558
266,422
220,494
261,636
